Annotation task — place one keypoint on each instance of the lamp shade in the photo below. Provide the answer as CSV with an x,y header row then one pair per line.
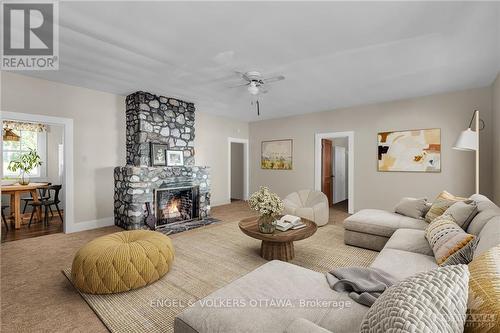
x,y
467,141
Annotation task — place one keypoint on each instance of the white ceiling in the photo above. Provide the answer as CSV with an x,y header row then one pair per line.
x,y
333,54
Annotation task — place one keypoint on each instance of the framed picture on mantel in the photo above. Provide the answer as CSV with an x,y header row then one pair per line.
x,y
158,154
175,158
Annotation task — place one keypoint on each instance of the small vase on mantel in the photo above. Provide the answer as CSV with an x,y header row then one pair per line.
x,y
267,224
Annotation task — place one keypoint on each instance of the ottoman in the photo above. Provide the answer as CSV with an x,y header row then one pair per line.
x,y
122,261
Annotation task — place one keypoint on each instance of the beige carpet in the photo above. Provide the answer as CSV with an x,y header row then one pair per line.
x,y
207,259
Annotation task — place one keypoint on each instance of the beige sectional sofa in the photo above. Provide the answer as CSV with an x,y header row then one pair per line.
x,y
307,302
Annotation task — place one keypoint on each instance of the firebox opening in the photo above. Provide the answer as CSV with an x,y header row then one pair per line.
x,y
176,204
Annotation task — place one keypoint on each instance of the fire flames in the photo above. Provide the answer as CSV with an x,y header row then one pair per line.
x,y
171,210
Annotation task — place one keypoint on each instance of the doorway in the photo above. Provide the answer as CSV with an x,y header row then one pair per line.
x,y
51,138
237,169
334,169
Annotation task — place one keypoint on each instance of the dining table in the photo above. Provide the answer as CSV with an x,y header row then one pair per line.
x,y
15,191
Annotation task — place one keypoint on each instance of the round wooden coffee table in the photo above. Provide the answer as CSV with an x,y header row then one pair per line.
x,y
278,245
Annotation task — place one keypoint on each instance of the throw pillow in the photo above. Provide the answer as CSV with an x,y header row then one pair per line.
x,y
411,207
433,301
483,314
441,204
450,243
463,212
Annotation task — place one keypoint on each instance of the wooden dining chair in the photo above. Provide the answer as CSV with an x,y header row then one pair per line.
x,y
42,194
53,200
3,217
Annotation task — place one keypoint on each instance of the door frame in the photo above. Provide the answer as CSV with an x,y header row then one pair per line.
x,y
350,167
68,175
245,167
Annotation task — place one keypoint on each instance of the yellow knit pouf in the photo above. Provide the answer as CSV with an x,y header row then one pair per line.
x,y
122,261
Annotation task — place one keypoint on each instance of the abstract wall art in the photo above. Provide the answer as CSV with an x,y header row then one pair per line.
x,y
276,155
410,151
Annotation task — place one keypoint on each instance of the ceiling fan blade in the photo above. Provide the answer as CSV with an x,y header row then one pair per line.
x,y
244,76
240,85
273,79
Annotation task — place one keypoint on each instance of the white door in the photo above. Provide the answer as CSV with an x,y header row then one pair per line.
x,y
339,174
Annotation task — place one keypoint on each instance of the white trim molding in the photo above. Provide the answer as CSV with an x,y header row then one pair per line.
x,y
68,175
246,172
92,224
350,154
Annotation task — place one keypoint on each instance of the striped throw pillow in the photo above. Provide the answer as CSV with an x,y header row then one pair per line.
x,y
441,204
450,243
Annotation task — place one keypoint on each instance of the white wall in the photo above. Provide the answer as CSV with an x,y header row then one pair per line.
x,y
495,124
54,139
211,145
99,136
237,171
450,112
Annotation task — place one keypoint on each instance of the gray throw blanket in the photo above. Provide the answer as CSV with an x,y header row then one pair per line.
x,y
364,285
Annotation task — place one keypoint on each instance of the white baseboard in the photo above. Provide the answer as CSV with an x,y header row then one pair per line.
x,y
92,224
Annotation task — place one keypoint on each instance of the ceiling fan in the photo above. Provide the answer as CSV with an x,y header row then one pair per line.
x,y
256,83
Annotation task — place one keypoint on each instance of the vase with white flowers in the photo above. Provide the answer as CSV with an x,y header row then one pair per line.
x,y
268,204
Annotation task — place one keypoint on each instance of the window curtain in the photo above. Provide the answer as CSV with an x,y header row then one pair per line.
x,y
23,126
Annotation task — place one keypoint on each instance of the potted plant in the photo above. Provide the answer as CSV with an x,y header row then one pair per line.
x,y
268,204
25,163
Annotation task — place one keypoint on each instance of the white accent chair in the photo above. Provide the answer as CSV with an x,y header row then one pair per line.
x,y
308,204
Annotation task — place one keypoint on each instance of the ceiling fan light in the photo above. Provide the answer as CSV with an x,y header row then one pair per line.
x,y
253,89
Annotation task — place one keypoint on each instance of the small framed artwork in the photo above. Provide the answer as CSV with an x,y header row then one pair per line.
x,y
158,154
410,151
277,155
175,158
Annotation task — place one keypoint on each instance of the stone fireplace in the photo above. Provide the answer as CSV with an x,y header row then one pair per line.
x,y
174,194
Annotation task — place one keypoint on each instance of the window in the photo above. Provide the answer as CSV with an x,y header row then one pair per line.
x,y
28,140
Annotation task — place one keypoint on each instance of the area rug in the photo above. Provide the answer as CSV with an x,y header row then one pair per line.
x,y
207,259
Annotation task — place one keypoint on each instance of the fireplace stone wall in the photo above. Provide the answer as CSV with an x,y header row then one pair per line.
x,y
164,120
158,119
134,186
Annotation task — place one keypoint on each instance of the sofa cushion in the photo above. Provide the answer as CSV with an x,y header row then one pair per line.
x,y
412,207
250,298
489,236
433,301
301,325
381,222
411,240
441,204
450,243
462,212
486,210
402,264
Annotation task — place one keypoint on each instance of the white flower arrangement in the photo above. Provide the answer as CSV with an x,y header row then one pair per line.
x,y
266,202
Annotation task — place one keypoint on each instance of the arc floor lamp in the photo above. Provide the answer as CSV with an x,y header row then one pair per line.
x,y
468,140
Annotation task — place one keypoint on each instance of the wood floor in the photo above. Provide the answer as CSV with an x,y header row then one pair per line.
x,y
36,297
35,230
